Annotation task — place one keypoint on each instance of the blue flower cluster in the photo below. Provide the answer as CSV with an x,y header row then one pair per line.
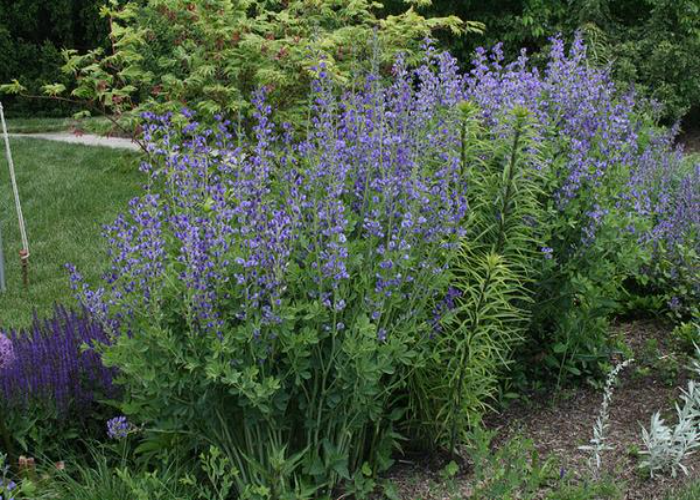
x,y
593,134
373,192
119,428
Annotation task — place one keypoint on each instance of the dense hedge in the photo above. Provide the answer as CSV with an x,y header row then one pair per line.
x,y
32,34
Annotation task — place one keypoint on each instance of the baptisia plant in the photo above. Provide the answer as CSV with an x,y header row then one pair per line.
x,y
621,205
278,293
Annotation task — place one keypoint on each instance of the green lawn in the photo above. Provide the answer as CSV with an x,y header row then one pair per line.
x,y
68,192
37,125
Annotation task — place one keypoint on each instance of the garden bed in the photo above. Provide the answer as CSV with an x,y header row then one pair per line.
x,y
559,424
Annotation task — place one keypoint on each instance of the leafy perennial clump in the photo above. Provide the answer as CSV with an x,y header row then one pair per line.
x,y
618,195
290,285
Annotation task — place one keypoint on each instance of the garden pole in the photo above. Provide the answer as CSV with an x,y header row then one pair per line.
x,y
24,252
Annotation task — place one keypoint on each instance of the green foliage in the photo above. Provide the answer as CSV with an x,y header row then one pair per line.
x,y
675,275
688,492
659,50
513,471
607,488
492,271
109,478
687,335
583,284
651,44
13,488
39,432
328,407
211,54
118,471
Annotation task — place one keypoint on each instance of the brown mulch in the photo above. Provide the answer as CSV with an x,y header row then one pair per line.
x,y
559,424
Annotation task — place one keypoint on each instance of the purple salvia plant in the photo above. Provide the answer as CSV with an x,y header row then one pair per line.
x,y
55,365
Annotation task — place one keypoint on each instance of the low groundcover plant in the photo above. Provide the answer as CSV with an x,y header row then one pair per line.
x,y
665,446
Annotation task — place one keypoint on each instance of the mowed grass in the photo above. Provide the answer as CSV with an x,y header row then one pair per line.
x,y
68,193
38,125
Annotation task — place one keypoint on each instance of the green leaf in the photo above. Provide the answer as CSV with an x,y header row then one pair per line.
x,y
12,88
54,89
573,370
560,348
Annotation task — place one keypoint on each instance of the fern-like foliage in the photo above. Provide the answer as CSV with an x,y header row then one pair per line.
x,y
488,313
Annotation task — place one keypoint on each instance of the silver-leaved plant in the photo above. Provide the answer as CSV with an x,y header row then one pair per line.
x,y
664,446
597,445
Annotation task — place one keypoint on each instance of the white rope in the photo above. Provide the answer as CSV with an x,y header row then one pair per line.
x,y
13,180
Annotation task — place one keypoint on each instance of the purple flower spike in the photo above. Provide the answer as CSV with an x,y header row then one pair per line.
x,y
54,364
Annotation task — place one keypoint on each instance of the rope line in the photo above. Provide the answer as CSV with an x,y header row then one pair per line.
x,y
15,191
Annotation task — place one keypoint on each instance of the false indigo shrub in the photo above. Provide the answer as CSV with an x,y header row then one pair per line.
x,y
675,238
608,197
55,375
280,293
